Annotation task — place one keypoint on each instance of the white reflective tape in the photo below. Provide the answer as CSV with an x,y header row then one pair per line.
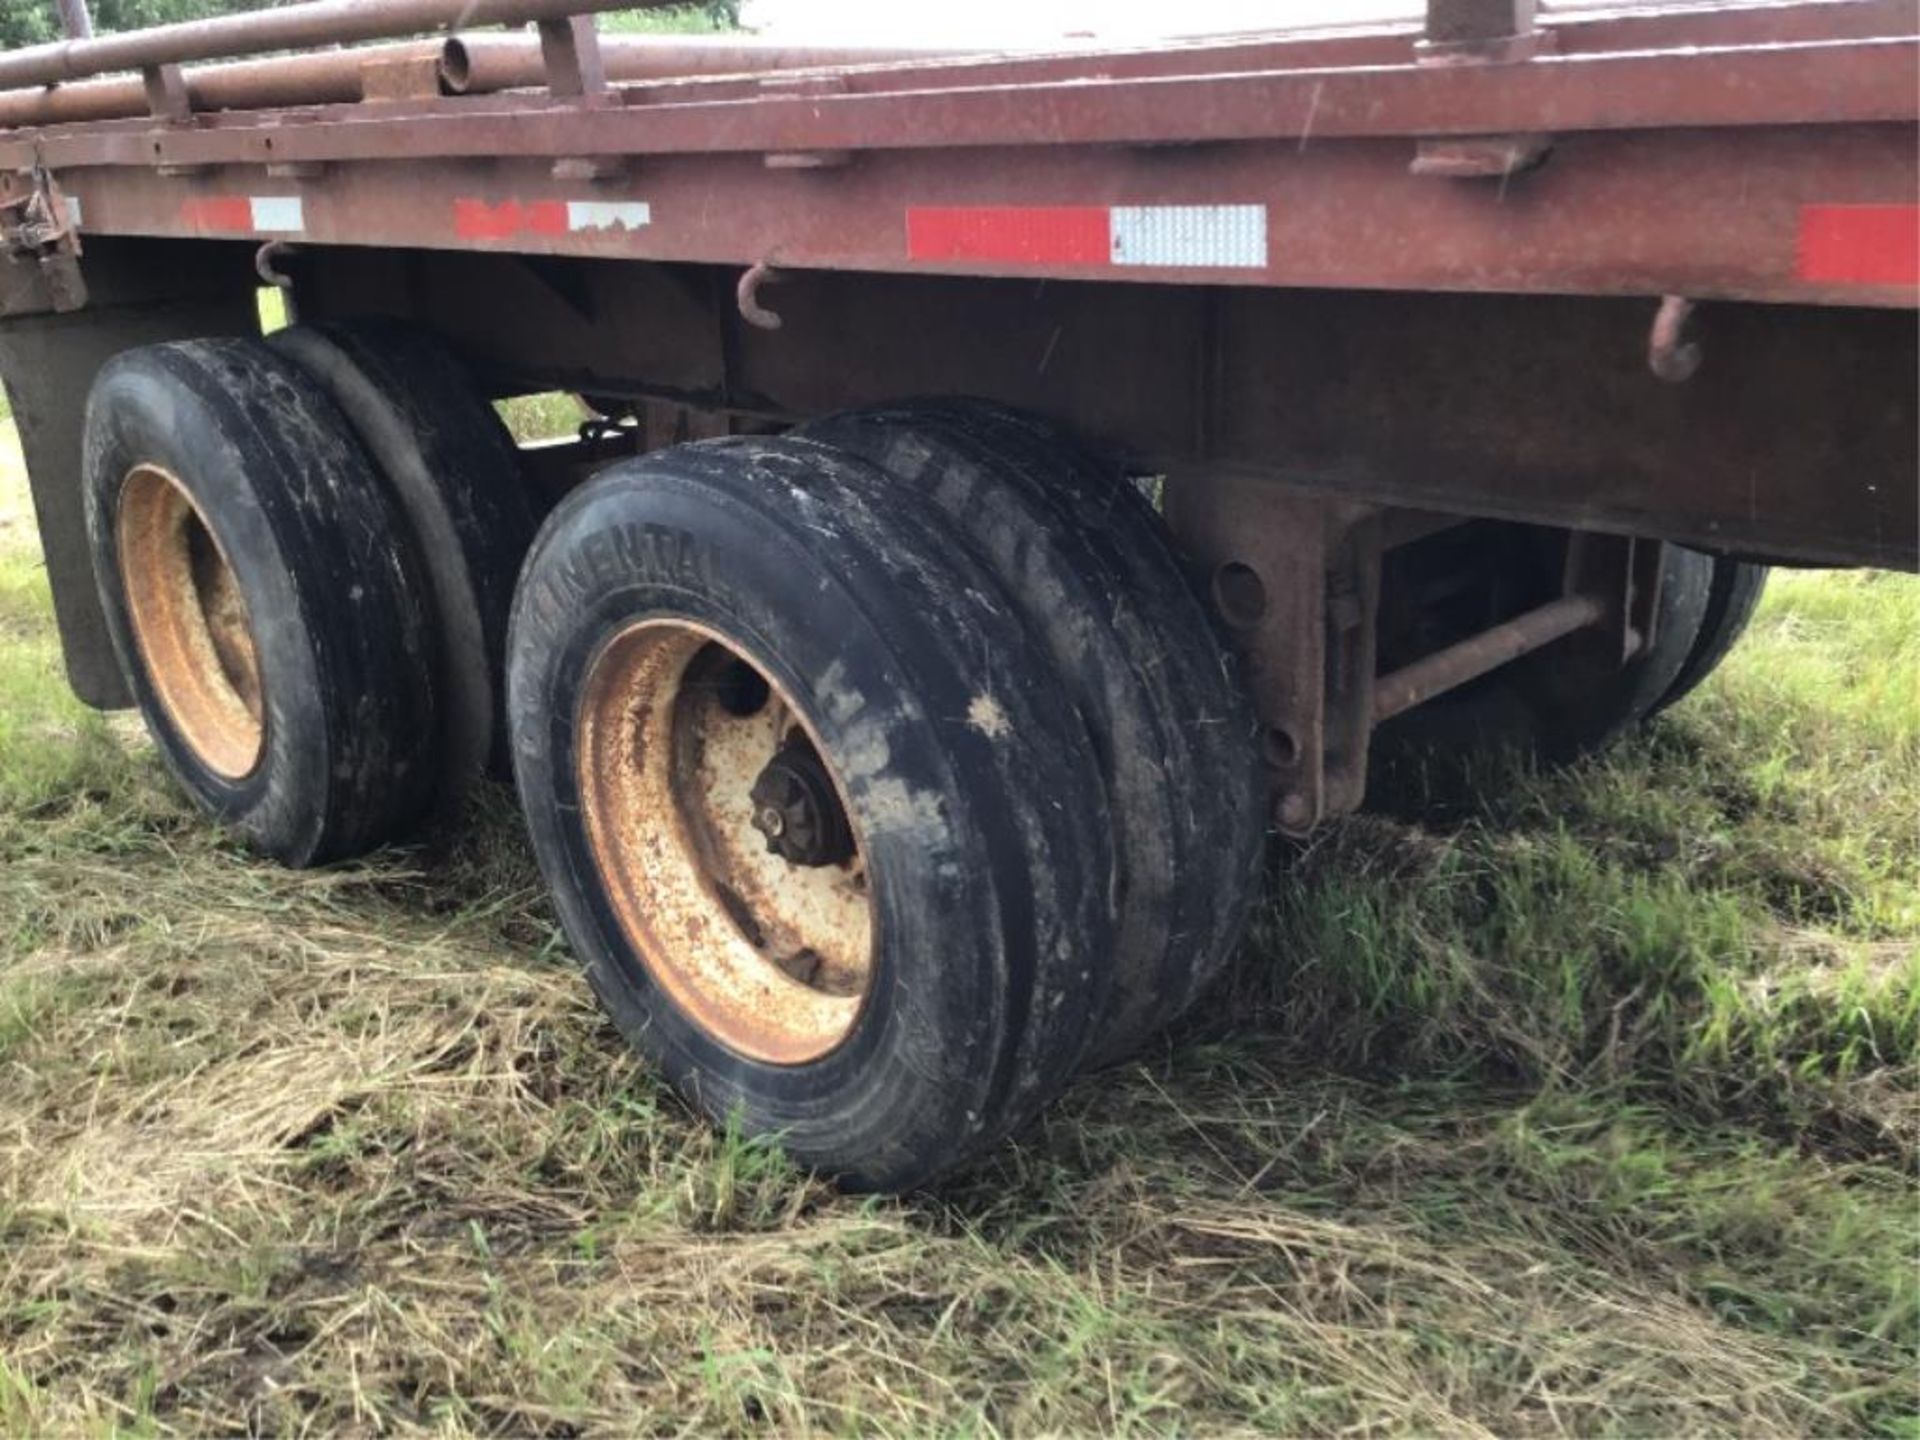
x,y
278,214
73,211
608,214
1223,236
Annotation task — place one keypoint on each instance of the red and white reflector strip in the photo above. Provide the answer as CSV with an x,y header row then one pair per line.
x,y
1215,237
480,220
245,214
1860,244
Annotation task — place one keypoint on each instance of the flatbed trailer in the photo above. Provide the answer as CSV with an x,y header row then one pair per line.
x,y
1476,369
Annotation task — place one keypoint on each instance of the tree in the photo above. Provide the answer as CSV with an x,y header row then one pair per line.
x,y
32,22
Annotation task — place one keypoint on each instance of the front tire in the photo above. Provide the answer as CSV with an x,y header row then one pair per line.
x,y
451,469
262,597
1733,595
1571,699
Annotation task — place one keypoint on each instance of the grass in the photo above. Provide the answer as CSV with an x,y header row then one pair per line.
x,y
550,415
1587,1106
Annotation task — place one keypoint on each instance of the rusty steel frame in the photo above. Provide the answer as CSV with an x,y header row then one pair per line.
x,y
1298,582
1310,569
1679,173
1631,213
1678,168
1796,438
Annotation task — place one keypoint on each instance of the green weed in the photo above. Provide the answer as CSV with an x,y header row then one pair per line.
x,y
552,415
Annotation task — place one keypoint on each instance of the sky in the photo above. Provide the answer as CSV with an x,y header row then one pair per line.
x,y
892,22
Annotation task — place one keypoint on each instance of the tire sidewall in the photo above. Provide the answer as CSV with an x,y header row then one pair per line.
x,y
333,591
455,477
133,421
1086,556
921,1044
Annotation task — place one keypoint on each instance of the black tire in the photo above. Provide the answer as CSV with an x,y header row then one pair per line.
x,y
1732,597
1088,563
455,473
254,456
1567,701
976,795
1582,701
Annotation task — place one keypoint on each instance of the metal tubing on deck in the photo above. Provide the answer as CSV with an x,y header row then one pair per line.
x,y
1814,85
468,65
1454,666
317,22
329,77
482,64
721,65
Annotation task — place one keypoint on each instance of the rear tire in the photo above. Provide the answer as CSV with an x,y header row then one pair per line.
x,y
262,597
1582,701
667,602
1571,699
1088,564
1732,596
454,472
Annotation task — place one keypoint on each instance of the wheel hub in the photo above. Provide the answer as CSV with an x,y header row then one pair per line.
x,y
795,807
718,827
190,621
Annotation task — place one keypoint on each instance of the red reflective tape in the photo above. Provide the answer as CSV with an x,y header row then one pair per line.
x,y
1039,234
1860,244
547,217
477,220
217,212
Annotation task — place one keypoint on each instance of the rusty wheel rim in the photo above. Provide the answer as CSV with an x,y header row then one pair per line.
x,y
190,623
679,731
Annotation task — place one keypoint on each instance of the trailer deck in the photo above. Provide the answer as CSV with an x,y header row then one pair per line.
x,y
1761,153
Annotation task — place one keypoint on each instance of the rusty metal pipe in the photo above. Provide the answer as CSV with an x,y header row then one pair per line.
x,y
328,77
483,64
291,27
1454,666
469,64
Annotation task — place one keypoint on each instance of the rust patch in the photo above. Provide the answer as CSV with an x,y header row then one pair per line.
x,y
772,958
190,623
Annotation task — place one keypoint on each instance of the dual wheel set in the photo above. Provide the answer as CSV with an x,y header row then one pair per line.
x,y
885,774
